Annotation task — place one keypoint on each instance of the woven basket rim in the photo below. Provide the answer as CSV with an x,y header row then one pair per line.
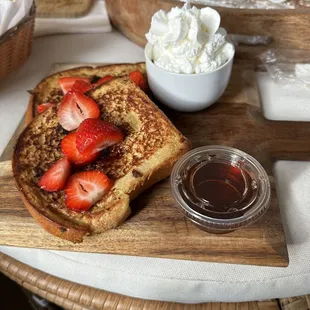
x,y
26,19
72,295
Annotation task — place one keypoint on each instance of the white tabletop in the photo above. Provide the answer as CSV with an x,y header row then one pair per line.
x,y
164,279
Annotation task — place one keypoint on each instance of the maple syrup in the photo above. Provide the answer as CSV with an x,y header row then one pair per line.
x,y
220,188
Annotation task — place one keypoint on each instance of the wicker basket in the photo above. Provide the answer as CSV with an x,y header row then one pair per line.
x,y
73,296
15,44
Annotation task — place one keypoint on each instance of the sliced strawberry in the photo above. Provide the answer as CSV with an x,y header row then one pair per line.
x,y
81,86
85,188
103,80
94,135
44,106
138,78
54,179
66,83
68,147
74,108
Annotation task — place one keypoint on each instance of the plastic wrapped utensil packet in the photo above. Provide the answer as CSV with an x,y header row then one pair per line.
x,y
285,72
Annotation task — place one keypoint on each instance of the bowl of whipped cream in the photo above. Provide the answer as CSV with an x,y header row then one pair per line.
x,y
188,57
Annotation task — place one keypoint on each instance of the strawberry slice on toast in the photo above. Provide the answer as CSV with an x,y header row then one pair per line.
x,y
103,80
74,108
86,188
94,135
138,78
55,178
66,83
44,106
68,146
82,86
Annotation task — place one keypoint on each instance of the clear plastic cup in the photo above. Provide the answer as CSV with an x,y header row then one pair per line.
x,y
255,196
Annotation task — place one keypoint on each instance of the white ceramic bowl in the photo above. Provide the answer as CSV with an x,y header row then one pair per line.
x,y
187,92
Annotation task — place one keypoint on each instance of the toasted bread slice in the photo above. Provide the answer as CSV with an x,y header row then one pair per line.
x,y
151,147
48,89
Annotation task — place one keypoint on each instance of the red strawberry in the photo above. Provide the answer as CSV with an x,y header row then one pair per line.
x,y
85,188
138,78
68,147
94,135
81,86
74,108
54,179
44,106
66,83
103,80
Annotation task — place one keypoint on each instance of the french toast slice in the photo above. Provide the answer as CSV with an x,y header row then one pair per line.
x,y
48,89
147,154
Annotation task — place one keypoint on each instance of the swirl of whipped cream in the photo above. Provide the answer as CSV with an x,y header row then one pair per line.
x,y
188,40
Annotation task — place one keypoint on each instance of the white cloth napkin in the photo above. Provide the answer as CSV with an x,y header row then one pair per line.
x,y
12,12
97,20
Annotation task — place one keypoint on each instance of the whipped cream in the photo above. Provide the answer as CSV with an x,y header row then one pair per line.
x,y
188,40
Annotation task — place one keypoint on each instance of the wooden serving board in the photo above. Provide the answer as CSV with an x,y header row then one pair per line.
x,y
156,227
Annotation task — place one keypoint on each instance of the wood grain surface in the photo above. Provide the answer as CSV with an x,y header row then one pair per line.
x,y
288,28
157,228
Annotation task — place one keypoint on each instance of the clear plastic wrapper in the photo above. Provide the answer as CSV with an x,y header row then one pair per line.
x,y
285,72
249,40
250,4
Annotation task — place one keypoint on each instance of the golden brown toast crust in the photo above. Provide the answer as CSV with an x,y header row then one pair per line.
x,y
151,147
49,90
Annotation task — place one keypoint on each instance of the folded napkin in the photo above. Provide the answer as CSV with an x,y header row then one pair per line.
x,y
97,20
12,12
